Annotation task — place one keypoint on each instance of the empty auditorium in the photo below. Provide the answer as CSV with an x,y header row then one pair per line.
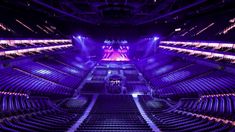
x,y
117,65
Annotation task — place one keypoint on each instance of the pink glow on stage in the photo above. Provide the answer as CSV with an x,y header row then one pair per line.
x,y
115,55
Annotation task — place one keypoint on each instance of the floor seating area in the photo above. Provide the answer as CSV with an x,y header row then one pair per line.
x,y
93,88
100,72
137,88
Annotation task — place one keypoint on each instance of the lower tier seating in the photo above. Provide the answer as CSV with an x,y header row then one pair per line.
x,y
173,121
52,119
14,105
42,121
114,113
217,106
169,119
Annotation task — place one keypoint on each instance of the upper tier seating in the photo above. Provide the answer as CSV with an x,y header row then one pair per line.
x,y
50,74
158,71
178,75
208,27
63,67
14,81
209,83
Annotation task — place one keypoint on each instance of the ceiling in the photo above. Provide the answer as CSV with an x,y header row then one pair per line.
x,y
116,12
110,18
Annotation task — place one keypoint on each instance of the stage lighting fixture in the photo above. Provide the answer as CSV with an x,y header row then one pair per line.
x,y
136,94
155,38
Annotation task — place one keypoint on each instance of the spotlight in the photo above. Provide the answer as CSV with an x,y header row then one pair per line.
x,y
155,38
79,37
136,94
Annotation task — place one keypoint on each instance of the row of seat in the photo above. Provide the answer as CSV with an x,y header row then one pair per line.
x,y
210,56
188,80
114,113
100,72
50,74
56,120
173,121
19,55
30,45
136,88
44,115
78,72
14,81
179,75
165,69
132,77
222,106
98,78
210,83
25,92
168,119
14,105
75,60
93,87
147,64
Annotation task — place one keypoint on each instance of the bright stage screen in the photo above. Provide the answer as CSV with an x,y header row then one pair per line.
x,y
115,52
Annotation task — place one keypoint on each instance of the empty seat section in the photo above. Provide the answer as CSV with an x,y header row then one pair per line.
x,y
168,119
14,81
46,119
114,113
211,83
92,87
216,106
180,74
50,74
63,67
